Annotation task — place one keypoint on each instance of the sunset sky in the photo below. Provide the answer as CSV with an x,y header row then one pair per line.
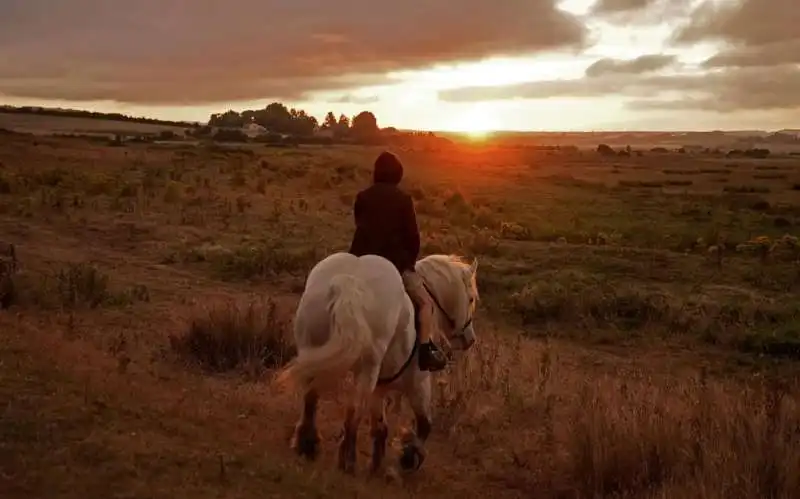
x,y
425,64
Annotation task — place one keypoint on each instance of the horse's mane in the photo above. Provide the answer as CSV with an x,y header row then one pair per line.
x,y
444,266
458,260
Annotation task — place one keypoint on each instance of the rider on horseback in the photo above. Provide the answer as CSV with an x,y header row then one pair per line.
x,y
386,225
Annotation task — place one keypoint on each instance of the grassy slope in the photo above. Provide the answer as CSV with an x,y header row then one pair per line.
x,y
42,124
97,403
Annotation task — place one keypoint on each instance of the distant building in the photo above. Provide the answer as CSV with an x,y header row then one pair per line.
x,y
253,130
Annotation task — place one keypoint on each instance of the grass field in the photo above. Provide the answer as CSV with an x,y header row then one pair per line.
x,y
638,328
41,124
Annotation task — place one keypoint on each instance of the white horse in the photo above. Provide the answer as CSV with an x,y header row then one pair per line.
x,y
355,316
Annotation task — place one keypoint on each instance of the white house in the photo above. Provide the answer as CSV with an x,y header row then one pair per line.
x,y
253,130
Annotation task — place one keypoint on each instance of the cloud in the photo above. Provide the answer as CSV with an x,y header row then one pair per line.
x,y
755,32
728,90
639,11
747,22
354,99
639,65
740,89
613,6
199,51
773,54
603,77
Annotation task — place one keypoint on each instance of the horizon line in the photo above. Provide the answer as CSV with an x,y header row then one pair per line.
x,y
487,132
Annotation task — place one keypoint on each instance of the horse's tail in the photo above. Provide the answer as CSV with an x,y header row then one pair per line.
x,y
349,339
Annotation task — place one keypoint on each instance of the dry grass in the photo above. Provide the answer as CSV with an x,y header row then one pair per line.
x,y
635,436
231,336
636,315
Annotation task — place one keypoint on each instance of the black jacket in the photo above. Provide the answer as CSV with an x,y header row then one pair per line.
x,y
386,225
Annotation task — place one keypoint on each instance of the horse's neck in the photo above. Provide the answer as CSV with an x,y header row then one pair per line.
x,y
440,281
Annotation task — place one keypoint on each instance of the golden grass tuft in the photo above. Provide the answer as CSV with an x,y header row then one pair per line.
x,y
230,335
569,435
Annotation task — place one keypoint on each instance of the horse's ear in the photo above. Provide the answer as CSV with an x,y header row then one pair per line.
x,y
474,266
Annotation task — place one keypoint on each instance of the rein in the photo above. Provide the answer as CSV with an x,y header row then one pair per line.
x,y
391,379
445,314
415,347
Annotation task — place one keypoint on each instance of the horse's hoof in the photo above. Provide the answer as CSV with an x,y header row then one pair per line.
x,y
392,475
306,444
411,457
347,467
347,461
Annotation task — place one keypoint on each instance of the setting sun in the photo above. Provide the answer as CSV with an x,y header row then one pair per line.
x,y
476,121
477,135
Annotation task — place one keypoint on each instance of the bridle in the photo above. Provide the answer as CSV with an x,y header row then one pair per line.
x,y
457,333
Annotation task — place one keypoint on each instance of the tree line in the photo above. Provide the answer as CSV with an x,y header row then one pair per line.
x,y
279,119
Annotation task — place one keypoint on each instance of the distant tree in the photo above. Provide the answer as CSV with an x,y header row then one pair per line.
x,y
227,119
296,125
275,118
330,121
365,126
342,127
301,124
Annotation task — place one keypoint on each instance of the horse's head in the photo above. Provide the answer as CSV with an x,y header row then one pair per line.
x,y
453,286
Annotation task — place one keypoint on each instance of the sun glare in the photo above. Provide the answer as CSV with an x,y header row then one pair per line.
x,y
476,122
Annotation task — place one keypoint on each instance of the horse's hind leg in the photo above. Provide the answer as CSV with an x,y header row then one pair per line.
x,y
365,384
306,438
379,430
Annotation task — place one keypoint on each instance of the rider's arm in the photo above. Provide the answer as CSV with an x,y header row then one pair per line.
x,y
358,208
412,239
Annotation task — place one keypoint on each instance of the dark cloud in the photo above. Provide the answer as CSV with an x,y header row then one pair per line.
x,y
639,65
741,89
755,32
724,90
195,51
743,22
773,54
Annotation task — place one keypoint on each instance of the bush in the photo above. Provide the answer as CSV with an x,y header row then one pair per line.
x,y
590,303
225,135
231,336
605,150
73,286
